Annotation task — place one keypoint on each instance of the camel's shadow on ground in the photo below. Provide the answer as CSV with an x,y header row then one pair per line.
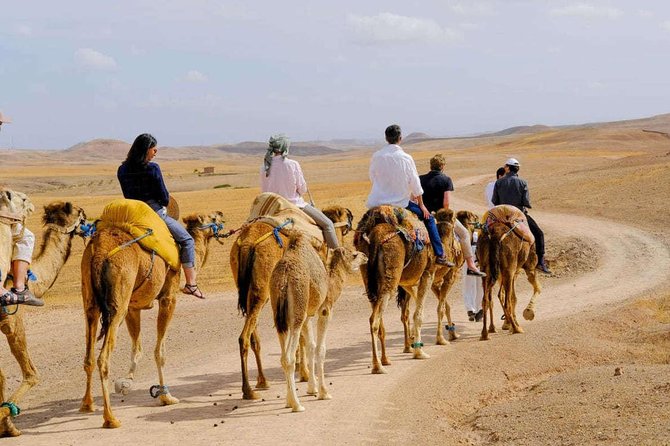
x,y
218,396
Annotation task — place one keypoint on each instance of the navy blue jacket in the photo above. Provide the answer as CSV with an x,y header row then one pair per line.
x,y
144,183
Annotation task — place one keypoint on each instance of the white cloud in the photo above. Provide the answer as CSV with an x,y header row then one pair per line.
x,y
94,60
195,76
24,30
666,25
586,10
392,28
645,13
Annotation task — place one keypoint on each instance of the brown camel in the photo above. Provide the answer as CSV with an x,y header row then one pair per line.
x,y
253,257
61,221
119,286
504,248
392,262
301,288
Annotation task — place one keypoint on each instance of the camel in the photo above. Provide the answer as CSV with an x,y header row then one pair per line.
x,y
61,221
253,257
301,288
392,262
119,286
504,248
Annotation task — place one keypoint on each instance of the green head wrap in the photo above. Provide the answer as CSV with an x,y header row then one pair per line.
x,y
277,144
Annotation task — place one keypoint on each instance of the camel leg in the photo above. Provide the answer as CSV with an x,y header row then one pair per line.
x,y
439,337
375,326
133,323
7,428
290,343
310,347
486,305
531,275
261,381
446,287
165,312
244,341
301,361
404,318
92,317
516,328
418,316
103,367
16,338
503,298
382,341
322,327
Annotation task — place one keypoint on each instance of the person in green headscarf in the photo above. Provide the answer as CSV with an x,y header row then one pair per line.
x,y
283,176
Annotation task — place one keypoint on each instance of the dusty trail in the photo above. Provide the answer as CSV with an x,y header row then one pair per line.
x,y
203,361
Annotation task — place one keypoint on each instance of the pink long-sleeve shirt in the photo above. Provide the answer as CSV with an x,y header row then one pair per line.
x,y
285,179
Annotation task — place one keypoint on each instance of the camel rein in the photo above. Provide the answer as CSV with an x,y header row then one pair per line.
x,y
130,242
275,232
216,229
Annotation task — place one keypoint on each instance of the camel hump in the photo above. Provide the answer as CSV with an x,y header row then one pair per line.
x,y
401,219
274,209
511,217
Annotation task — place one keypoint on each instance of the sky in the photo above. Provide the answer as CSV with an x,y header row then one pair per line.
x,y
201,72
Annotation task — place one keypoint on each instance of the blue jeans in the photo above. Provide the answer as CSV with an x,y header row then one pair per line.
x,y
435,240
180,235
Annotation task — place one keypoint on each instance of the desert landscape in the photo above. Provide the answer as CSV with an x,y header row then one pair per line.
x,y
598,191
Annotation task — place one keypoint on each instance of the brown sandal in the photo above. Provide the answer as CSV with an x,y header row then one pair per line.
x,y
24,297
193,290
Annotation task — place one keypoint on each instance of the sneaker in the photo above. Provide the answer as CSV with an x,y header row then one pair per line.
x,y
542,266
479,316
25,297
477,273
444,261
471,316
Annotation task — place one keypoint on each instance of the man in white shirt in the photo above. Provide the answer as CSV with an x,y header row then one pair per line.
x,y
488,190
395,182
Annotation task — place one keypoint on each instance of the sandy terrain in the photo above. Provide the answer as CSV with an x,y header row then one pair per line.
x,y
597,194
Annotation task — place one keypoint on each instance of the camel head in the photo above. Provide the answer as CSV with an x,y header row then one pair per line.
x,y
349,258
63,216
211,224
341,216
468,219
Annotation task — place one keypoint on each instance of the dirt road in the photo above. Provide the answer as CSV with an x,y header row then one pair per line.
x,y
203,363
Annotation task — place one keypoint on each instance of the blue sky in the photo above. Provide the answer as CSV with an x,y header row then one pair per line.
x,y
205,72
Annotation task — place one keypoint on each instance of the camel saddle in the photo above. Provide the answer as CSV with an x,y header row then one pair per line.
x,y
403,220
15,207
274,210
136,218
511,217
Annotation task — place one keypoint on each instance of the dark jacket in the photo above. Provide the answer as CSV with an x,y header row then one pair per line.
x,y
144,183
511,190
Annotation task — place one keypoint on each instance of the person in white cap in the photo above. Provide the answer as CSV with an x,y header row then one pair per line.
x,y
512,190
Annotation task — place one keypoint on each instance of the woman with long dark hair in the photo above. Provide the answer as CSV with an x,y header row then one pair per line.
x,y
142,180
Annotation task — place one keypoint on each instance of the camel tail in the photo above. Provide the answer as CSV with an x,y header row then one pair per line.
x,y
402,297
373,271
244,276
101,290
281,315
494,260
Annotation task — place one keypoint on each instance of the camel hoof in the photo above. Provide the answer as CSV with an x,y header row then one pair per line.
x,y
420,354
168,400
378,370
263,385
111,424
299,408
250,395
517,330
407,350
386,361
440,341
492,329
8,429
312,392
528,314
453,336
484,337
87,408
505,325
325,396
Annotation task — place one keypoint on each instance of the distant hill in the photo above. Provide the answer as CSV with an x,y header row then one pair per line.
x,y
522,129
416,136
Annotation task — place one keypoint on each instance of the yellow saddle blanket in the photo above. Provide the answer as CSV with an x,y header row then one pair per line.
x,y
275,209
136,217
512,217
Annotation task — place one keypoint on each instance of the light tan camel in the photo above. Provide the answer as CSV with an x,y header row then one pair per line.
x,y
62,221
120,286
443,279
253,257
503,252
392,262
301,288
